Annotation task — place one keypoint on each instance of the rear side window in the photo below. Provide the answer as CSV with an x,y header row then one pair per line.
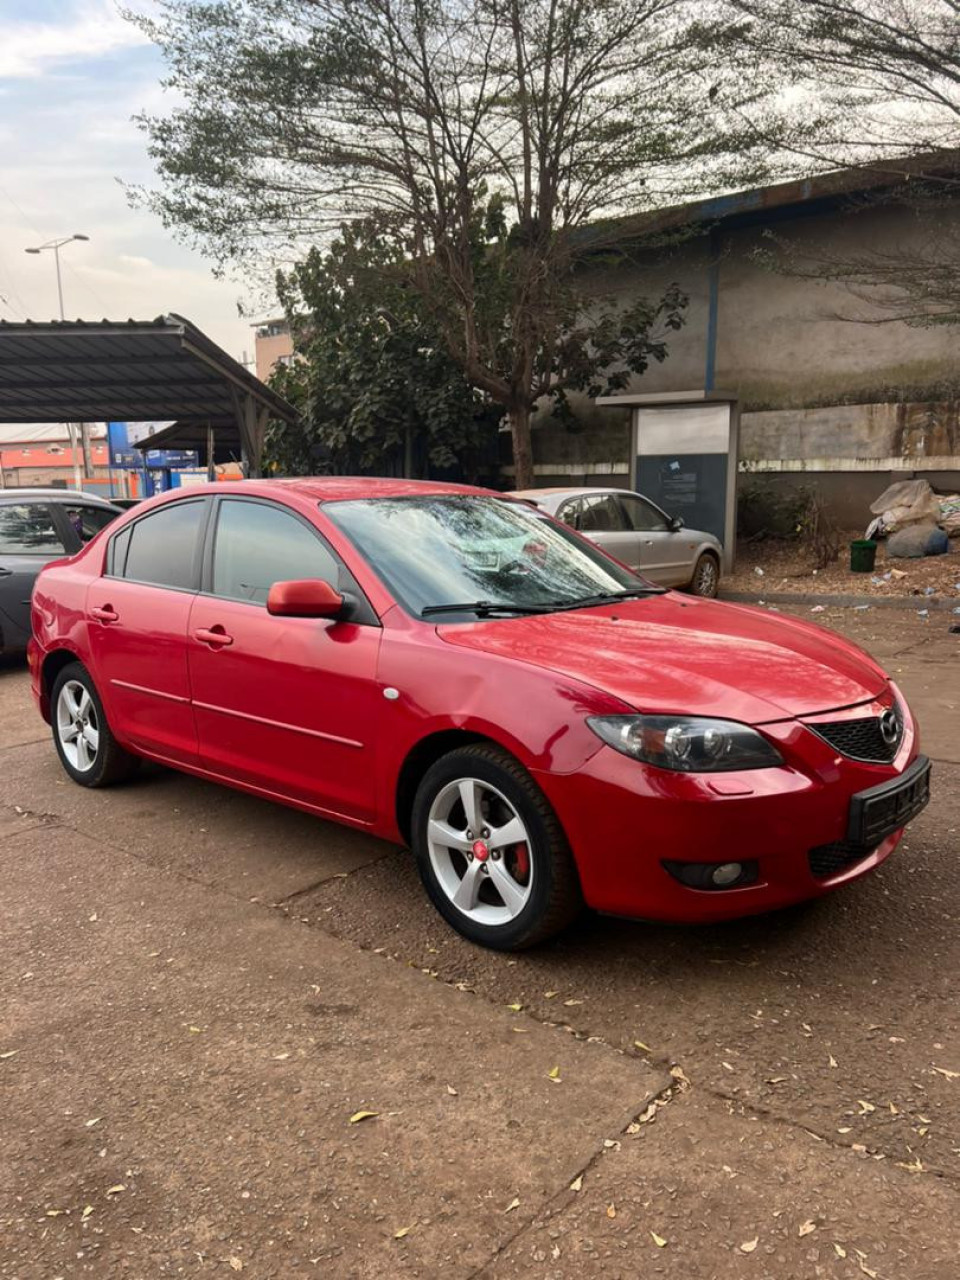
x,y
258,545
28,529
86,521
163,548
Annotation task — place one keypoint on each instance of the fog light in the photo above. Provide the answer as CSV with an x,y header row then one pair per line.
x,y
714,875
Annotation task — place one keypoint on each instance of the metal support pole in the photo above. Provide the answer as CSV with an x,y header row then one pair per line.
x,y
211,461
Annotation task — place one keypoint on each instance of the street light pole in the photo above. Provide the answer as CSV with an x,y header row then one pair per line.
x,y
56,246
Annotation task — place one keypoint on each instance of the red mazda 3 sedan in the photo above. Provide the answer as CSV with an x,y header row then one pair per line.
x,y
445,667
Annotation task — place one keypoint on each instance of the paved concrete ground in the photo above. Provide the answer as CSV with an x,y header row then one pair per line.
x,y
199,989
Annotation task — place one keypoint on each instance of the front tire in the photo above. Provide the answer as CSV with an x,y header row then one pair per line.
x,y
490,850
706,576
88,751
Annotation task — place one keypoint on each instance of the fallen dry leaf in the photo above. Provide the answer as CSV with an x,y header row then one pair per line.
x,y
514,1204
235,1264
832,1061
577,1183
520,1030
611,1210
570,1003
515,1007
56,1213
280,1057
452,1091
115,1191
807,1227
404,1231
90,1123
748,1246
550,995
554,1073
947,1075
195,1030
865,1107
777,1079
645,1048
11,1053
88,1209
867,1271
362,1115
658,1240
839,1250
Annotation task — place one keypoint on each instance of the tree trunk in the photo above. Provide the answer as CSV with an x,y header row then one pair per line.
x,y
519,418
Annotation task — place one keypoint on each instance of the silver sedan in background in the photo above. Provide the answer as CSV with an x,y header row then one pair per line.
x,y
638,533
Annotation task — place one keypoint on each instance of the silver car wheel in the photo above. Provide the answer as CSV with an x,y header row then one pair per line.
x,y
480,851
706,577
78,729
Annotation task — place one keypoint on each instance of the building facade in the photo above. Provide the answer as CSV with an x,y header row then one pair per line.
x,y
828,385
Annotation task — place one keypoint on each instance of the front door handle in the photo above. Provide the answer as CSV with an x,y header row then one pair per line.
x,y
105,614
6,573
216,637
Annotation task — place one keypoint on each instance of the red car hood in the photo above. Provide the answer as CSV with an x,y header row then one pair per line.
x,y
673,653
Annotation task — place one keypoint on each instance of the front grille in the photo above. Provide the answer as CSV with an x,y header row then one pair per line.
x,y
862,739
830,859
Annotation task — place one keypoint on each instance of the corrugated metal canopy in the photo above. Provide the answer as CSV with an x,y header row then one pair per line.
x,y
135,371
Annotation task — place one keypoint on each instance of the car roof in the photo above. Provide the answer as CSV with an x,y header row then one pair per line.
x,y
342,488
57,495
557,491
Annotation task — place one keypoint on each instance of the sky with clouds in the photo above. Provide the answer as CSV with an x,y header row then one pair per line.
x,y
72,74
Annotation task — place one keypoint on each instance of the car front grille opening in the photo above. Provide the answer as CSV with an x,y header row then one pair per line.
x,y
862,739
828,860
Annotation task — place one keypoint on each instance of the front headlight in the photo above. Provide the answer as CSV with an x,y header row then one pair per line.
x,y
690,744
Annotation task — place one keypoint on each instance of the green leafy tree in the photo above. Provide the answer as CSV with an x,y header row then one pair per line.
x,y
508,124
376,389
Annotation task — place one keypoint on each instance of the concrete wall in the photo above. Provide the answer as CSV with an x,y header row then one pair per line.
x,y
819,387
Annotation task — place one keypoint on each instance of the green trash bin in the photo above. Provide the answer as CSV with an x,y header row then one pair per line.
x,y
863,555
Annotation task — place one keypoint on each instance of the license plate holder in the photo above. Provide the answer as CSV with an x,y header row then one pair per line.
x,y
880,811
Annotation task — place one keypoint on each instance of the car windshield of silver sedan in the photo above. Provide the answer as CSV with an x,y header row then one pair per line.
x,y
460,557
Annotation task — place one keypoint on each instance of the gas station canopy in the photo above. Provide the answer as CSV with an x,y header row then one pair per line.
x,y
136,371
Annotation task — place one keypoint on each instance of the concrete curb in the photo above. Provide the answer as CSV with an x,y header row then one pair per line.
x,y
844,601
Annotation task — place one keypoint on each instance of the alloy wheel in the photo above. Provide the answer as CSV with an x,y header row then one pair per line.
x,y
480,851
77,726
705,583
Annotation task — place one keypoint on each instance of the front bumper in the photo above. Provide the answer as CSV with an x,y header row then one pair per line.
x,y
623,819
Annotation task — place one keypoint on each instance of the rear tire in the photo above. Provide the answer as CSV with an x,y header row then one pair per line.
x,y
88,751
706,576
490,850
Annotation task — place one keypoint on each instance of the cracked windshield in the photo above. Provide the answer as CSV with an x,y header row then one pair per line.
x,y
475,556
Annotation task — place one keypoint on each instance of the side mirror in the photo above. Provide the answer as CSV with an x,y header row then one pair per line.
x,y
676,524
304,598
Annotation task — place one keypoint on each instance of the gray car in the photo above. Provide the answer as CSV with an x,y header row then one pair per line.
x,y
36,526
638,533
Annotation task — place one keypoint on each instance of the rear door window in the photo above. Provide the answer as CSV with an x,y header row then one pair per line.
x,y
85,520
29,529
163,548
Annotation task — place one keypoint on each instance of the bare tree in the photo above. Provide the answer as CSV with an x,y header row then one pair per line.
x,y
484,135
888,75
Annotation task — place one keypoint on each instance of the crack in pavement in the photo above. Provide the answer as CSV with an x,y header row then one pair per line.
x,y
678,1084
283,903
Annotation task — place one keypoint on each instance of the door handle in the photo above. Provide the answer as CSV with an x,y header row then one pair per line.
x,y
6,573
106,614
216,637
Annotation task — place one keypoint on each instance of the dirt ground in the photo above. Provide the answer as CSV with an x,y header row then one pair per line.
x,y
786,567
202,993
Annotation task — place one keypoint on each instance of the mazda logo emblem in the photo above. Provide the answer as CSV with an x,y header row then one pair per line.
x,y
889,728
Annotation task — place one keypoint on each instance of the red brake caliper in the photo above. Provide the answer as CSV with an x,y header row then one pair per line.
x,y
521,861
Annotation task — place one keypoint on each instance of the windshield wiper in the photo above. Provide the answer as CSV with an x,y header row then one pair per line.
x,y
610,597
486,608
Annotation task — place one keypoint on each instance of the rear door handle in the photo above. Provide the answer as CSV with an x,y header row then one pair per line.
x,y
105,614
216,637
